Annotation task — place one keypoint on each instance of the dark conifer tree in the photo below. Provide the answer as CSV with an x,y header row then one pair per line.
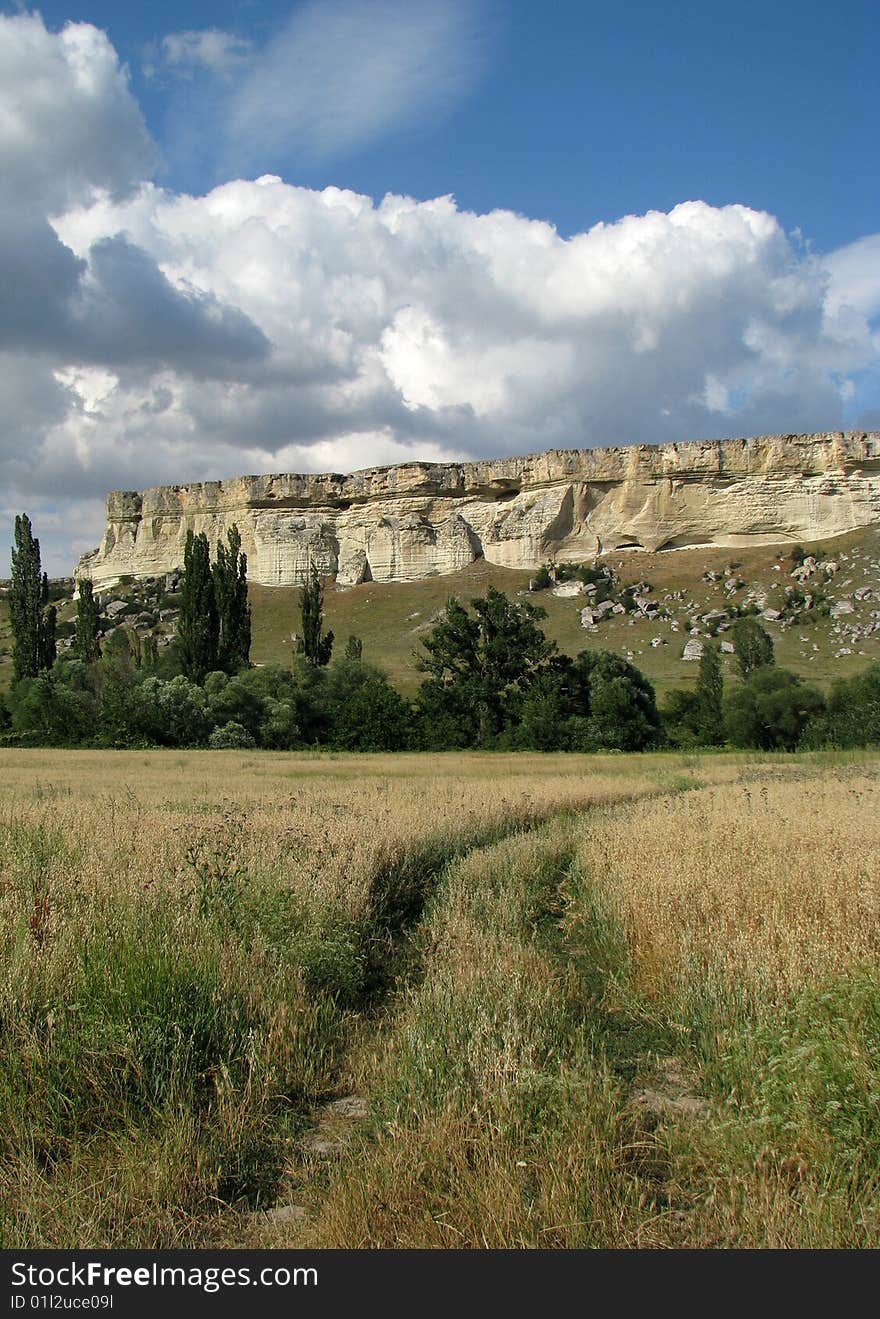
x,y
317,647
33,624
48,625
198,629
233,610
86,646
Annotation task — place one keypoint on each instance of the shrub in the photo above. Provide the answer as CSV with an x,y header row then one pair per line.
x,y
771,710
376,719
853,715
172,713
231,737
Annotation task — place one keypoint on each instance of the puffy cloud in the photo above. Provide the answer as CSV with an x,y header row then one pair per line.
x,y
69,123
71,131
855,271
150,337
478,332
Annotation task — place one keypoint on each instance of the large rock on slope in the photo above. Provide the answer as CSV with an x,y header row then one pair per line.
x,y
424,519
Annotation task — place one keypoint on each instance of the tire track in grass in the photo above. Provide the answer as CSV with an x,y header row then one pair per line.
x,y
404,942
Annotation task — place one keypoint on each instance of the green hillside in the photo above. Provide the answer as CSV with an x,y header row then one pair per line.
x,y
392,618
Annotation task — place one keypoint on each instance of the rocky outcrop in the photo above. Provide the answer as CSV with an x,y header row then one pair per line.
x,y
424,519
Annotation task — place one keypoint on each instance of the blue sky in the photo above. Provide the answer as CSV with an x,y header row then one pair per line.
x,y
262,236
579,112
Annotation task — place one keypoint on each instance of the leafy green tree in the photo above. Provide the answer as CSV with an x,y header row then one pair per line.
x,y
277,707
48,625
709,697
771,710
231,737
696,718
48,711
753,646
852,718
116,679
375,718
32,618
681,718
597,701
86,644
479,665
317,647
623,713
170,713
198,628
281,728
235,700
233,609
546,719
354,648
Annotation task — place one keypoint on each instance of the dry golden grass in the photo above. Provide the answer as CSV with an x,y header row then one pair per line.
x,y
326,820
764,884
397,927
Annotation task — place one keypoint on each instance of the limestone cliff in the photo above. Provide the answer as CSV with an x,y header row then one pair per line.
x,y
423,519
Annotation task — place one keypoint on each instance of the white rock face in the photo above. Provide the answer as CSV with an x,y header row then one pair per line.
x,y
426,519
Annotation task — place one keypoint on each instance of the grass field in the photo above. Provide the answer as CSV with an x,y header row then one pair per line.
x,y
457,1000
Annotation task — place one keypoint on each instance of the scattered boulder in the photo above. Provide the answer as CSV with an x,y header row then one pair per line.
x,y
693,650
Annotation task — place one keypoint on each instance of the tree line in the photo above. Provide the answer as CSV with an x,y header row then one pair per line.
x,y
490,679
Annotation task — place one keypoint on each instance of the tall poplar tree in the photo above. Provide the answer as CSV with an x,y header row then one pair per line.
x,y
198,627
233,610
33,623
753,645
86,645
709,695
316,646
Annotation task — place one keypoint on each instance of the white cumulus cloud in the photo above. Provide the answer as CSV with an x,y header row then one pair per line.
x,y
148,336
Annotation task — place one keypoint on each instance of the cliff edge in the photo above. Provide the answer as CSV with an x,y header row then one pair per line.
x,y
418,520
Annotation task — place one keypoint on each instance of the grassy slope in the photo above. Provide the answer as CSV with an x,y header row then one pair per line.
x,y
392,618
